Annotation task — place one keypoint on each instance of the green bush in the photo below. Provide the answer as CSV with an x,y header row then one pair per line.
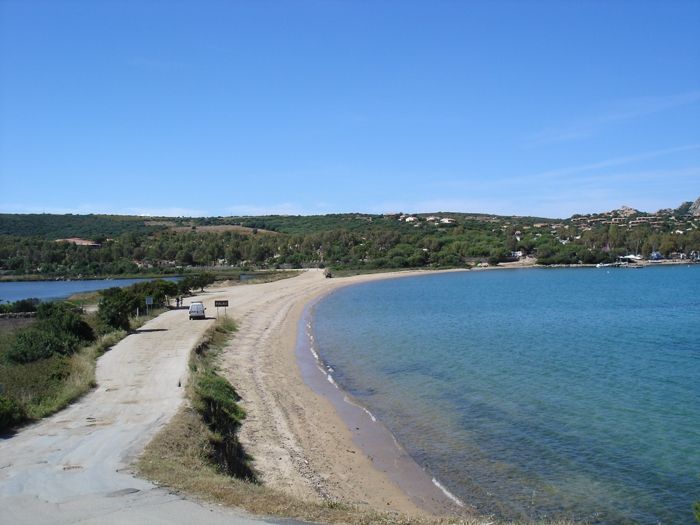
x,y
11,413
38,342
216,401
159,290
23,305
63,318
114,308
59,330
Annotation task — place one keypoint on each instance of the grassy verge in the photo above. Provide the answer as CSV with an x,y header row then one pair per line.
x,y
186,455
45,386
216,402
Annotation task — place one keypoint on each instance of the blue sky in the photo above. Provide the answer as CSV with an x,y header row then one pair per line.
x,y
306,107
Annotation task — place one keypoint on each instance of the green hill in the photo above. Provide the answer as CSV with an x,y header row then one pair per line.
x,y
50,226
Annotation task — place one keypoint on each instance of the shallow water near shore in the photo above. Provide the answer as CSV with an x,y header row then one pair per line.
x,y
534,393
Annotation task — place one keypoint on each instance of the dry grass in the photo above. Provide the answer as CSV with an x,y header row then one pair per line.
x,y
220,228
159,223
223,280
271,276
84,299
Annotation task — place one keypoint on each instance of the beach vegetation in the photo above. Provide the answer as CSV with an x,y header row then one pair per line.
x,y
215,401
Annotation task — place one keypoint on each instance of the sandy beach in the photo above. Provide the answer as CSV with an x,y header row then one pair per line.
x,y
306,436
300,442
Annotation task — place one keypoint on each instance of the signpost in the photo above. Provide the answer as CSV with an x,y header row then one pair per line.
x,y
149,302
221,304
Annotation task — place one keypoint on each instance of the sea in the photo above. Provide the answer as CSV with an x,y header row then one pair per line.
x,y
533,393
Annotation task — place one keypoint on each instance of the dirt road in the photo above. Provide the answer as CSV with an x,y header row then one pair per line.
x,y
73,467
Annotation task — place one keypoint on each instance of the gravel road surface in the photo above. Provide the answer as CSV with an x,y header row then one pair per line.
x,y
74,466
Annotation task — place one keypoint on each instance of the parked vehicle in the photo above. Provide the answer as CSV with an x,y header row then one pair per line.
x,y
197,311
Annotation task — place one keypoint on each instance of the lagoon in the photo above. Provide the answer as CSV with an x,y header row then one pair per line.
x,y
11,291
534,393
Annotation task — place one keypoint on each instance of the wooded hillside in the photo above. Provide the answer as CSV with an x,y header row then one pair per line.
x,y
125,245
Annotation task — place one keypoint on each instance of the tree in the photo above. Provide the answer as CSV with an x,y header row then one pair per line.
x,y
203,279
114,308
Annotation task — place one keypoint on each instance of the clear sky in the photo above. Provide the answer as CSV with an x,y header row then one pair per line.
x,y
166,107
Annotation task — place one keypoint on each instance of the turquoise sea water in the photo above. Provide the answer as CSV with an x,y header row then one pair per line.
x,y
533,393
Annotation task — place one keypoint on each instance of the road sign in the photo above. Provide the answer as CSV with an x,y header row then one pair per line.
x,y
149,301
221,304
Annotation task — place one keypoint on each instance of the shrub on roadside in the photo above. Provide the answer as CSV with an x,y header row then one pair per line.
x,y
37,342
59,330
11,413
159,290
63,318
114,308
118,304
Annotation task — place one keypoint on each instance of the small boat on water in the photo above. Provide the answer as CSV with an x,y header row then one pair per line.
x,y
623,261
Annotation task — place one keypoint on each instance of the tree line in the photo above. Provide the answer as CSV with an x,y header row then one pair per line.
x,y
400,245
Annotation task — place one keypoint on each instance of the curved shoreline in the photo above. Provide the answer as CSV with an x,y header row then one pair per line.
x,y
371,435
297,437
300,441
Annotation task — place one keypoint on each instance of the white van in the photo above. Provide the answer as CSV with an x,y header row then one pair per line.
x,y
197,311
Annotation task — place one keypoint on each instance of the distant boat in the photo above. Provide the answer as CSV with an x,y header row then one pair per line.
x,y
630,258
